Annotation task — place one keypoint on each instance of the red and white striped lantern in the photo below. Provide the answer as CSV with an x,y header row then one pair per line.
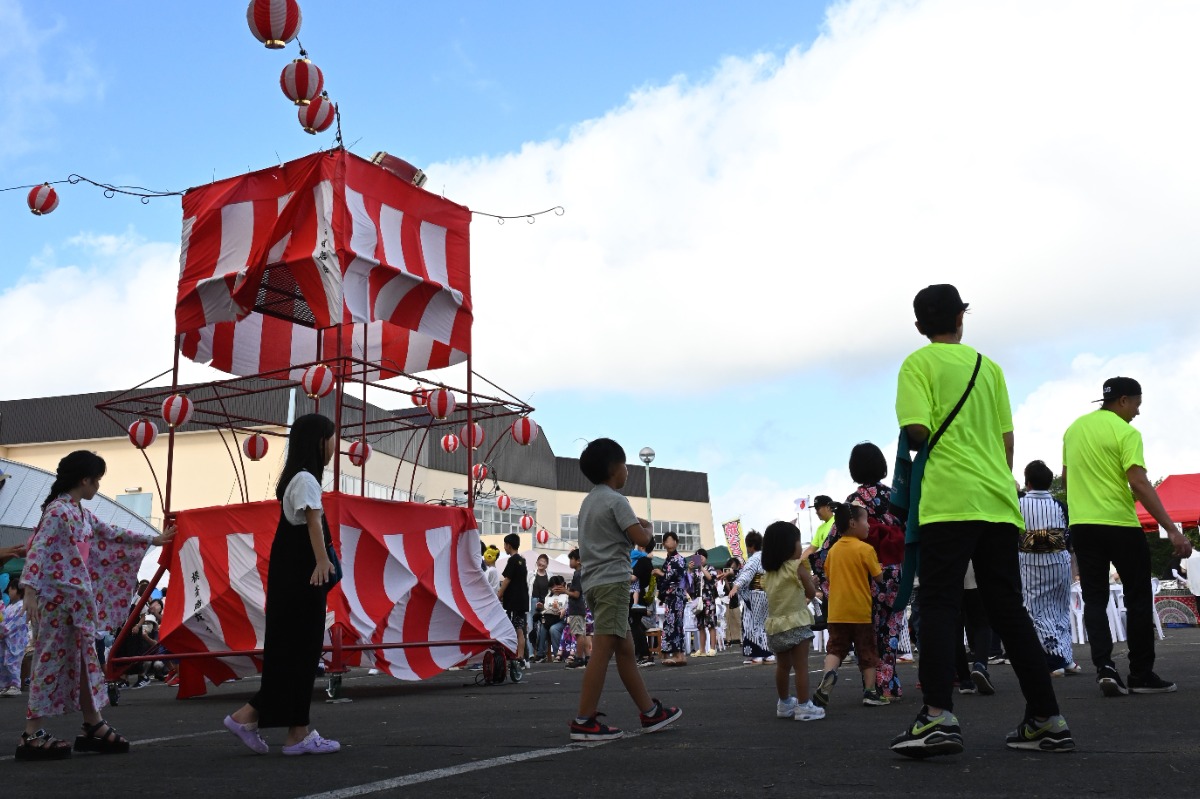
x,y
527,522
301,81
543,536
479,471
450,442
524,431
317,381
273,22
142,433
317,115
360,452
420,397
441,404
255,447
504,502
472,435
177,410
42,199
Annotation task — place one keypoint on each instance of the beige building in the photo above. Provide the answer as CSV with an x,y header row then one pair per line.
x,y
210,469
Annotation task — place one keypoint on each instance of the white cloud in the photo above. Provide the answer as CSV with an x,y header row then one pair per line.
x,y
759,500
35,78
1170,419
783,211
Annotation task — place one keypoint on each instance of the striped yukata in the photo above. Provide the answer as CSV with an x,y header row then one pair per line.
x,y
1045,559
754,608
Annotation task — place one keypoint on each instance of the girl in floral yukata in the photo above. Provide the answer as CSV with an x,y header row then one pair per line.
x,y
673,590
79,575
14,638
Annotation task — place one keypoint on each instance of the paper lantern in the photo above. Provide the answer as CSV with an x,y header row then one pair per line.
x,y
524,431
42,199
255,447
441,403
177,410
301,81
479,471
543,536
318,381
274,22
472,437
450,442
420,397
527,522
142,433
317,115
504,502
360,452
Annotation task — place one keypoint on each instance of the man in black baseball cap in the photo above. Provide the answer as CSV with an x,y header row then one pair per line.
x,y
938,309
1102,454
823,505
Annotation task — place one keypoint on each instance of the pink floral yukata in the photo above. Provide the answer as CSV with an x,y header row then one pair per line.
x,y
85,572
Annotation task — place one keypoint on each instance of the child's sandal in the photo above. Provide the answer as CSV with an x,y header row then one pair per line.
x,y
47,747
110,743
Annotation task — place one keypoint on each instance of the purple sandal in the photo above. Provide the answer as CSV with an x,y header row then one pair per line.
x,y
313,744
248,734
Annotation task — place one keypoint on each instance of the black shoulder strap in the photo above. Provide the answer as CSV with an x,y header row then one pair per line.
x,y
961,401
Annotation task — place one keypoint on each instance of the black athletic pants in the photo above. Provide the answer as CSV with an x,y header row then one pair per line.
x,y
946,548
1126,548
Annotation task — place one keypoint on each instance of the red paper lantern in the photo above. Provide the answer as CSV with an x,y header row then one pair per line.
x,y
301,81
317,381
543,536
360,452
317,115
177,410
273,22
441,403
527,522
524,431
42,199
255,447
479,471
504,502
142,433
420,397
450,442
472,437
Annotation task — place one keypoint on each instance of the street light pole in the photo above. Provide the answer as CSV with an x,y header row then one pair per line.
x,y
647,456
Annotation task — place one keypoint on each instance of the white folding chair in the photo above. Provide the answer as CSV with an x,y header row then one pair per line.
x,y
690,629
1154,589
1116,611
1078,631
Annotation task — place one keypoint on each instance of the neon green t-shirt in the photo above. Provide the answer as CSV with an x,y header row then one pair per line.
x,y
967,477
1098,449
822,533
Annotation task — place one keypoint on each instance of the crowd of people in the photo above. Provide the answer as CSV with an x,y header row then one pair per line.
x,y
955,547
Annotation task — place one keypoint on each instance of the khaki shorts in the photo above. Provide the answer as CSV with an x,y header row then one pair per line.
x,y
578,625
610,609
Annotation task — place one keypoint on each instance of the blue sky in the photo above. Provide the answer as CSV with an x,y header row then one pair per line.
x,y
752,199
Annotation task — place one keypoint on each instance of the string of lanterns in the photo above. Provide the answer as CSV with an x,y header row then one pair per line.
x,y
275,23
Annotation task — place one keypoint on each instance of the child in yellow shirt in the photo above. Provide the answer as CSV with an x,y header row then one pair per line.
x,y
789,587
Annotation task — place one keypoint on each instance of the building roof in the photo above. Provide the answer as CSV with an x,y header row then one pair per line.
x,y
75,418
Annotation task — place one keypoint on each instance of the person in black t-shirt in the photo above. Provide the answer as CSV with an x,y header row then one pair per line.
x,y
514,591
639,609
539,587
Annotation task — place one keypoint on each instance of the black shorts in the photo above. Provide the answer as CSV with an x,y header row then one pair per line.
x,y
518,619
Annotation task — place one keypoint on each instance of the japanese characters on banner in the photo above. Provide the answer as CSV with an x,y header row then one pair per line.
x,y
411,575
733,537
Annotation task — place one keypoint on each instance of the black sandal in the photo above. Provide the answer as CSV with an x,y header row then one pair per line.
x,y
110,743
50,748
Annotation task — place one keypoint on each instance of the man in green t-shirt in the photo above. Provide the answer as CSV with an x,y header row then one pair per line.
x,y
1102,453
968,514
823,505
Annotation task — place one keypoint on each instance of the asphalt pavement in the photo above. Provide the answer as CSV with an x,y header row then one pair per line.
x,y
448,737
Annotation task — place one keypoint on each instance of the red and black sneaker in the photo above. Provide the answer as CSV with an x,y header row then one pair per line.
x,y
659,717
593,730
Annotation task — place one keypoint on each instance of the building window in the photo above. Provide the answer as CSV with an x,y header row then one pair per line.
x,y
352,485
688,533
568,527
141,504
492,520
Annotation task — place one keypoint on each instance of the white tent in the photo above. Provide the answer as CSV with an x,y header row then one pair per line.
x,y
555,566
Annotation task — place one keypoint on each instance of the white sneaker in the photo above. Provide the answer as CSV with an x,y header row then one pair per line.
x,y
372,672
786,708
809,712
11,690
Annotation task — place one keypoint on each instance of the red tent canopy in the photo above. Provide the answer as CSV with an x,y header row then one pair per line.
x,y
1180,495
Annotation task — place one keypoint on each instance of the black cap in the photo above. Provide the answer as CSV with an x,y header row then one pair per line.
x,y
822,501
1117,387
937,302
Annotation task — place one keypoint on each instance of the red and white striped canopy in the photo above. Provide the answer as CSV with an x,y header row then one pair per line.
x,y
270,258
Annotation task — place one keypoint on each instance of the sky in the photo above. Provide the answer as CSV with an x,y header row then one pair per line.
x,y
751,200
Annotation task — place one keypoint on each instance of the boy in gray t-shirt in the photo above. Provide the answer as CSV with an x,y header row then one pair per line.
x,y
607,527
